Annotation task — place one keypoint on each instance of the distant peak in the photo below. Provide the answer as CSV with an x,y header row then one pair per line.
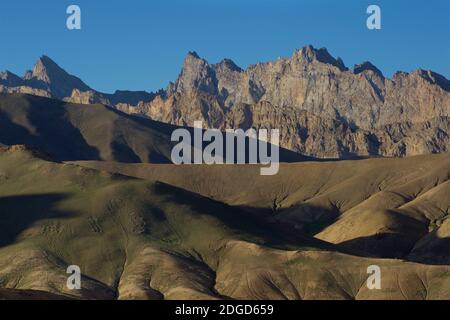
x,y
43,66
366,66
310,54
434,78
46,61
193,54
193,59
45,57
48,75
307,53
196,73
6,74
28,75
229,64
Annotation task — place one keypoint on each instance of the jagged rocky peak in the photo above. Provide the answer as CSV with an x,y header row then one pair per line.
x,y
6,75
310,54
10,79
429,76
228,64
434,78
59,82
28,75
366,66
45,68
197,74
192,59
193,54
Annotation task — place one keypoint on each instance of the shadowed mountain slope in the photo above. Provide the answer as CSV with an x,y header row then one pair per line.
x,y
67,131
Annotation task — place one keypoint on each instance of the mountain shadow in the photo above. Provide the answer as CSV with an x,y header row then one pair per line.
x,y
243,222
17,213
48,128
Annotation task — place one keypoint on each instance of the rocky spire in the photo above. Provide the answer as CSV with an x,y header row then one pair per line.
x,y
310,54
365,66
57,80
228,64
197,74
434,78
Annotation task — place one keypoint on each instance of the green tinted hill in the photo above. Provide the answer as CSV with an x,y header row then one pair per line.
x,y
384,207
145,239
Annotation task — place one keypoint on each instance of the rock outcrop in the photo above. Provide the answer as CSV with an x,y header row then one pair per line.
x,y
322,108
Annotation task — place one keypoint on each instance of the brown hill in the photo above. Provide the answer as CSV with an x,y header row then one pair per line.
x,y
149,240
67,131
382,207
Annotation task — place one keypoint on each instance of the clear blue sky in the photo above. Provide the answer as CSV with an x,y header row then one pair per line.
x,y
140,44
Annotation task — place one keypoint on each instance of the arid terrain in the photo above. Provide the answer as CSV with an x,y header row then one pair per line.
x,y
86,179
189,233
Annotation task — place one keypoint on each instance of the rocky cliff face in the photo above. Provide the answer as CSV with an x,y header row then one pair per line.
x,y
322,108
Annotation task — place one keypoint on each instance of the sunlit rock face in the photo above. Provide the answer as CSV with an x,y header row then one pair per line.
x,y
322,108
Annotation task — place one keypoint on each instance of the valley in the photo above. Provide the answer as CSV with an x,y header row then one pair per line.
x,y
177,235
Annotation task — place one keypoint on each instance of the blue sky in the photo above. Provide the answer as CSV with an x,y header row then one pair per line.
x,y
141,44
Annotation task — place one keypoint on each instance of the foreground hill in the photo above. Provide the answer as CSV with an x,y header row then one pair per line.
x,y
66,131
382,207
145,239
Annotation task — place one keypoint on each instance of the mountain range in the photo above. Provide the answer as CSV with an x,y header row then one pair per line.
x,y
67,131
86,179
322,108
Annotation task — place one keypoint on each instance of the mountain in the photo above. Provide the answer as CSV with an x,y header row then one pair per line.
x,y
148,239
67,131
322,108
383,207
82,182
47,77
50,80
314,81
